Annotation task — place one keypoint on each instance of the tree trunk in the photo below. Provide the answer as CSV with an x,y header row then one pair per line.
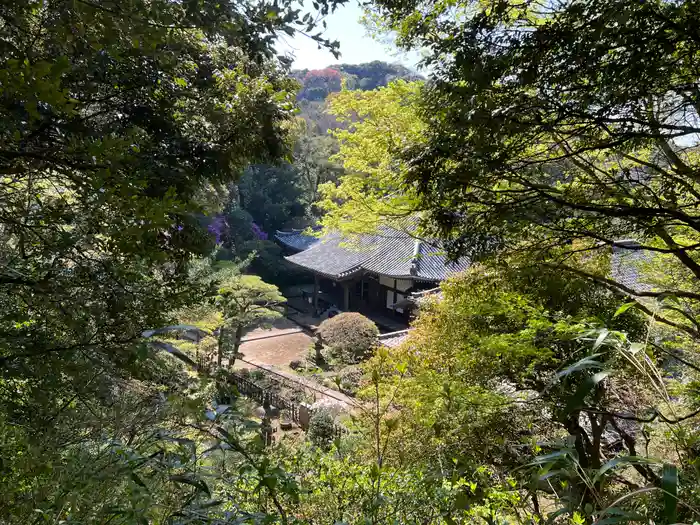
x,y
236,345
220,343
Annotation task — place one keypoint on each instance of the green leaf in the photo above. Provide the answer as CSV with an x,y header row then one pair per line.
x,y
575,401
551,517
601,338
189,479
136,479
270,482
622,460
636,347
553,457
587,362
624,308
551,474
669,484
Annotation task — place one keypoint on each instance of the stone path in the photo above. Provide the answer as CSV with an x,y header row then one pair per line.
x,y
280,345
274,348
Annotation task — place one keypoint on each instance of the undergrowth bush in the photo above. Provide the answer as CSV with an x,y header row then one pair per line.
x,y
321,429
350,378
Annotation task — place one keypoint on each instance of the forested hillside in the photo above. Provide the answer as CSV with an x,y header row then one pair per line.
x,y
317,84
162,363
285,194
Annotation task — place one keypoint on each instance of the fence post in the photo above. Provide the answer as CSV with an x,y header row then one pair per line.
x,y
300,413
304,416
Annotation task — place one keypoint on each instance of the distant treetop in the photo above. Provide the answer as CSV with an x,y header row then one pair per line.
x,y
317,84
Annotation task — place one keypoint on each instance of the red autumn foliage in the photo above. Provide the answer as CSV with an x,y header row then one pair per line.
x,y
326,74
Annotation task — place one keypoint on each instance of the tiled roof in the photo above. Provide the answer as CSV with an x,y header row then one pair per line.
x,y
328,258
409,258
393,339
626,265
392,254
433,261
389,252
296,239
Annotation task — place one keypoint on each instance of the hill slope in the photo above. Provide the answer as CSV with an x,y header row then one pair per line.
x,y
317,84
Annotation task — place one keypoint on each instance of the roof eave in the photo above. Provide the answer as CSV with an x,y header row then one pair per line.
x,y
411,277
334,277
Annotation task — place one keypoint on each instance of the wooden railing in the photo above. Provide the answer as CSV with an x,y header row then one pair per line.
x,y
249,389
266,398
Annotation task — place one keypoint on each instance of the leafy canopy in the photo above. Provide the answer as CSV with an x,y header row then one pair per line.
x,y
380,125
561,124
499,374
272,195
121,122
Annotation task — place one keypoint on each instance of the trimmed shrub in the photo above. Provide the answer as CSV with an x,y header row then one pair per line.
x,y
350,336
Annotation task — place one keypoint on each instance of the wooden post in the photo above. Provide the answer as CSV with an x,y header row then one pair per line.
x,y
220,347
304,416
236,346
318,347
315,299
346,296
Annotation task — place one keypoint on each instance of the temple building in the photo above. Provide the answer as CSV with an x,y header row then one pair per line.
x,y
373,274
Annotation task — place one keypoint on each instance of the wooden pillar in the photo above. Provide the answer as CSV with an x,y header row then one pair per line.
x,y
304,416
346,296
315,298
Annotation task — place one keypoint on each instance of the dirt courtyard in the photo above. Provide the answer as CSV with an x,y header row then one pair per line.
x,y
278,346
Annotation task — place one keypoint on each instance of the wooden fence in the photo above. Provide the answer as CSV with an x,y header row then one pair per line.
x,y
249,389
266,398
